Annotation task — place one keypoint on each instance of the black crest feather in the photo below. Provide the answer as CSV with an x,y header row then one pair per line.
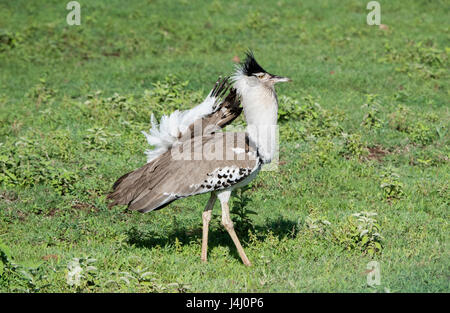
x,y
250,66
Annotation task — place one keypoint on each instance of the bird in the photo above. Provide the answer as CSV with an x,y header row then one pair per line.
x,y
191,155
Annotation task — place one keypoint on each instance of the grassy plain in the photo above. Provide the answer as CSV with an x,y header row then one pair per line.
x,y
364,128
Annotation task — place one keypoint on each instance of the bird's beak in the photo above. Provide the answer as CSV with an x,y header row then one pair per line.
x,y
280,79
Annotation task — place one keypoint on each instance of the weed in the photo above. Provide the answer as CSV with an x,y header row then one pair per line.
x,y
353,146
27,163
429,157
81,274
418,127
97,138
62,180
371,118
42,92
360,232
9,40
169,95
323,153
20,278
316,121
240,211
135,276
421,133
59,145
417,59
317,226
391,186
400,118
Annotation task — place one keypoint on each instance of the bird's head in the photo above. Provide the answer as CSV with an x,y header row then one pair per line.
x,y
249,74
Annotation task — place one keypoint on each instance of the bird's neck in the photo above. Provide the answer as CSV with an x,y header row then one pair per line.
x,y
260,109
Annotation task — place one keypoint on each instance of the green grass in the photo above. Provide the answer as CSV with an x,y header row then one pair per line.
x,y
379,142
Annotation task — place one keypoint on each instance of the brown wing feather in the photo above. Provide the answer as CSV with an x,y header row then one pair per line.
x,y
168,178
226,112
130,185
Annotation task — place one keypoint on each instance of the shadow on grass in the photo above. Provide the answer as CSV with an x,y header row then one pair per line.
x,y
217,236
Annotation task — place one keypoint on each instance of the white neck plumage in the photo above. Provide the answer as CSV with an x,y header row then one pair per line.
x,y
260,109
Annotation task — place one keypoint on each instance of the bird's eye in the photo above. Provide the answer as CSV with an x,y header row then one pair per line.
x,y
260,75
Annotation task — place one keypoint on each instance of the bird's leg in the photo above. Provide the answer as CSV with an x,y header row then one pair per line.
x,y
206,217
228,224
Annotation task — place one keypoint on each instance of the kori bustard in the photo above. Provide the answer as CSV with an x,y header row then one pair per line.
x,y
190,156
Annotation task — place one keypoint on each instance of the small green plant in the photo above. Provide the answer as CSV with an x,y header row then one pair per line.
x,y
371,119
418,127
169,95
9,40
418,59
353,146
97,138
316,121
138,276
42,92
420,133
35,278
22,163
240,212
4,259
62,180
59,145
27,163
255,21
361,232
323,153
429,157
292,132
81,274
18,278
10,276
288,109
391,186
317,226
400,118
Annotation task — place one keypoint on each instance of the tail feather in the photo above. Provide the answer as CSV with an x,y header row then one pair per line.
x,y
141,184
172,127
